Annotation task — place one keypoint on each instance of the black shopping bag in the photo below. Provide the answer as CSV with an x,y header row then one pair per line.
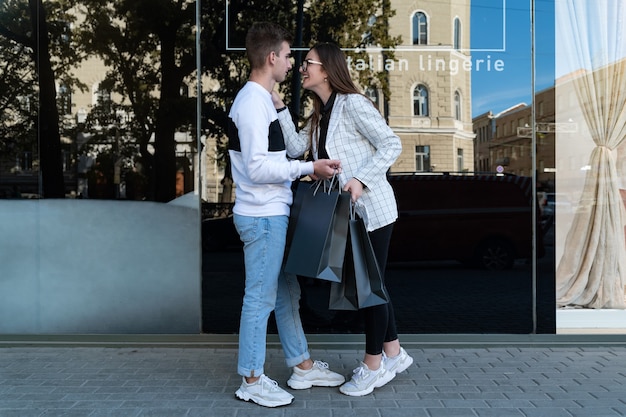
x,y
318,231
362,284
343,294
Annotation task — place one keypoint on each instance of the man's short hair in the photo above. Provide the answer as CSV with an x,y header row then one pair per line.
x,y
262,39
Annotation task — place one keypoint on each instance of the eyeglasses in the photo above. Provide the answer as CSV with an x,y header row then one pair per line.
x,y
305,64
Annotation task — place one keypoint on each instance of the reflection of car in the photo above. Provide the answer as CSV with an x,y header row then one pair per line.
x,y
484,220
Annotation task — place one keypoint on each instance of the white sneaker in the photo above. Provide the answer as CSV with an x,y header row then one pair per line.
x,y
265,392
319,375
398,363
364,380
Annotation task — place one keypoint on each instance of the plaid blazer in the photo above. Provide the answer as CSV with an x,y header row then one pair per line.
x,y
366,146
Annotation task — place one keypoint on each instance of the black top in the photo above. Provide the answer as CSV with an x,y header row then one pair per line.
x,y
325,118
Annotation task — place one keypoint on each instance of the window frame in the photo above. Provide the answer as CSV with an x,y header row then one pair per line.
x,y
424,102
458,108
456,35
422,158
419,28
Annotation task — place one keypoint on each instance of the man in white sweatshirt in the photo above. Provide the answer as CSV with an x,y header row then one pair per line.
x,y
263,175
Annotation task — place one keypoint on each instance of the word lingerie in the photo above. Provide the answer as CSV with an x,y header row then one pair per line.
x,y
427,63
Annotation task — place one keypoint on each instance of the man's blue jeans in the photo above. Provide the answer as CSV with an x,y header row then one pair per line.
x,y
267,289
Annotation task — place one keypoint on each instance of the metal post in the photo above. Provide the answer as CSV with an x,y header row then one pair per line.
x,y
295,79
534,166
199,98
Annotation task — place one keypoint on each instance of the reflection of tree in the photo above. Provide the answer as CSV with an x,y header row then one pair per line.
x,y
18,101
350,23
37,32
108,140
150,48
50,138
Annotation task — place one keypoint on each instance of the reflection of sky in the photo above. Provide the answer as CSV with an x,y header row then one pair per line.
x,y
590,34
496,91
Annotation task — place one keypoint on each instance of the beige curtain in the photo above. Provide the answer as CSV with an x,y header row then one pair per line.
x,y
592,271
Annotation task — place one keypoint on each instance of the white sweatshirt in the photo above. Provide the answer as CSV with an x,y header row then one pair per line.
x,y
261,171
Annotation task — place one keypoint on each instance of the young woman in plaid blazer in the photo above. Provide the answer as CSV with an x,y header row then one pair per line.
x,y
346,126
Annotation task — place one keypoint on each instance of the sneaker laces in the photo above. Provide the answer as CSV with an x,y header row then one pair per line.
x,y
320,364
360,373
269,383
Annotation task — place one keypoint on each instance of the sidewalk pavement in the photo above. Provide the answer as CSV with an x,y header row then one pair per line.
x,y
200,381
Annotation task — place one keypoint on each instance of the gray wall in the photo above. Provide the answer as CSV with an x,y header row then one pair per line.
x,y
97,266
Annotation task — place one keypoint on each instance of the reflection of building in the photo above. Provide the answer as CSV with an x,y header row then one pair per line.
x,y
430,104
503,141
128,183
429,107
111,177
484,128
19,176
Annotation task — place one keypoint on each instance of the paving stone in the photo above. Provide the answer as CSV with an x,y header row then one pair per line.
x,y
511,381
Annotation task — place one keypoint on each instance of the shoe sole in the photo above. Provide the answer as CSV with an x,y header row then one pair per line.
x,y
247,397
310,384
366,391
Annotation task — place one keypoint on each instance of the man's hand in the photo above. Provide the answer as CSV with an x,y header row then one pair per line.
x,y
326,168
355,188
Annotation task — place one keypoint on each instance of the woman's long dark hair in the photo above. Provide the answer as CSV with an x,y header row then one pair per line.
x,y
338,76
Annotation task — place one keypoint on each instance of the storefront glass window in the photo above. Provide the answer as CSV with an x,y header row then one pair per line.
x,y
99,169
115,183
